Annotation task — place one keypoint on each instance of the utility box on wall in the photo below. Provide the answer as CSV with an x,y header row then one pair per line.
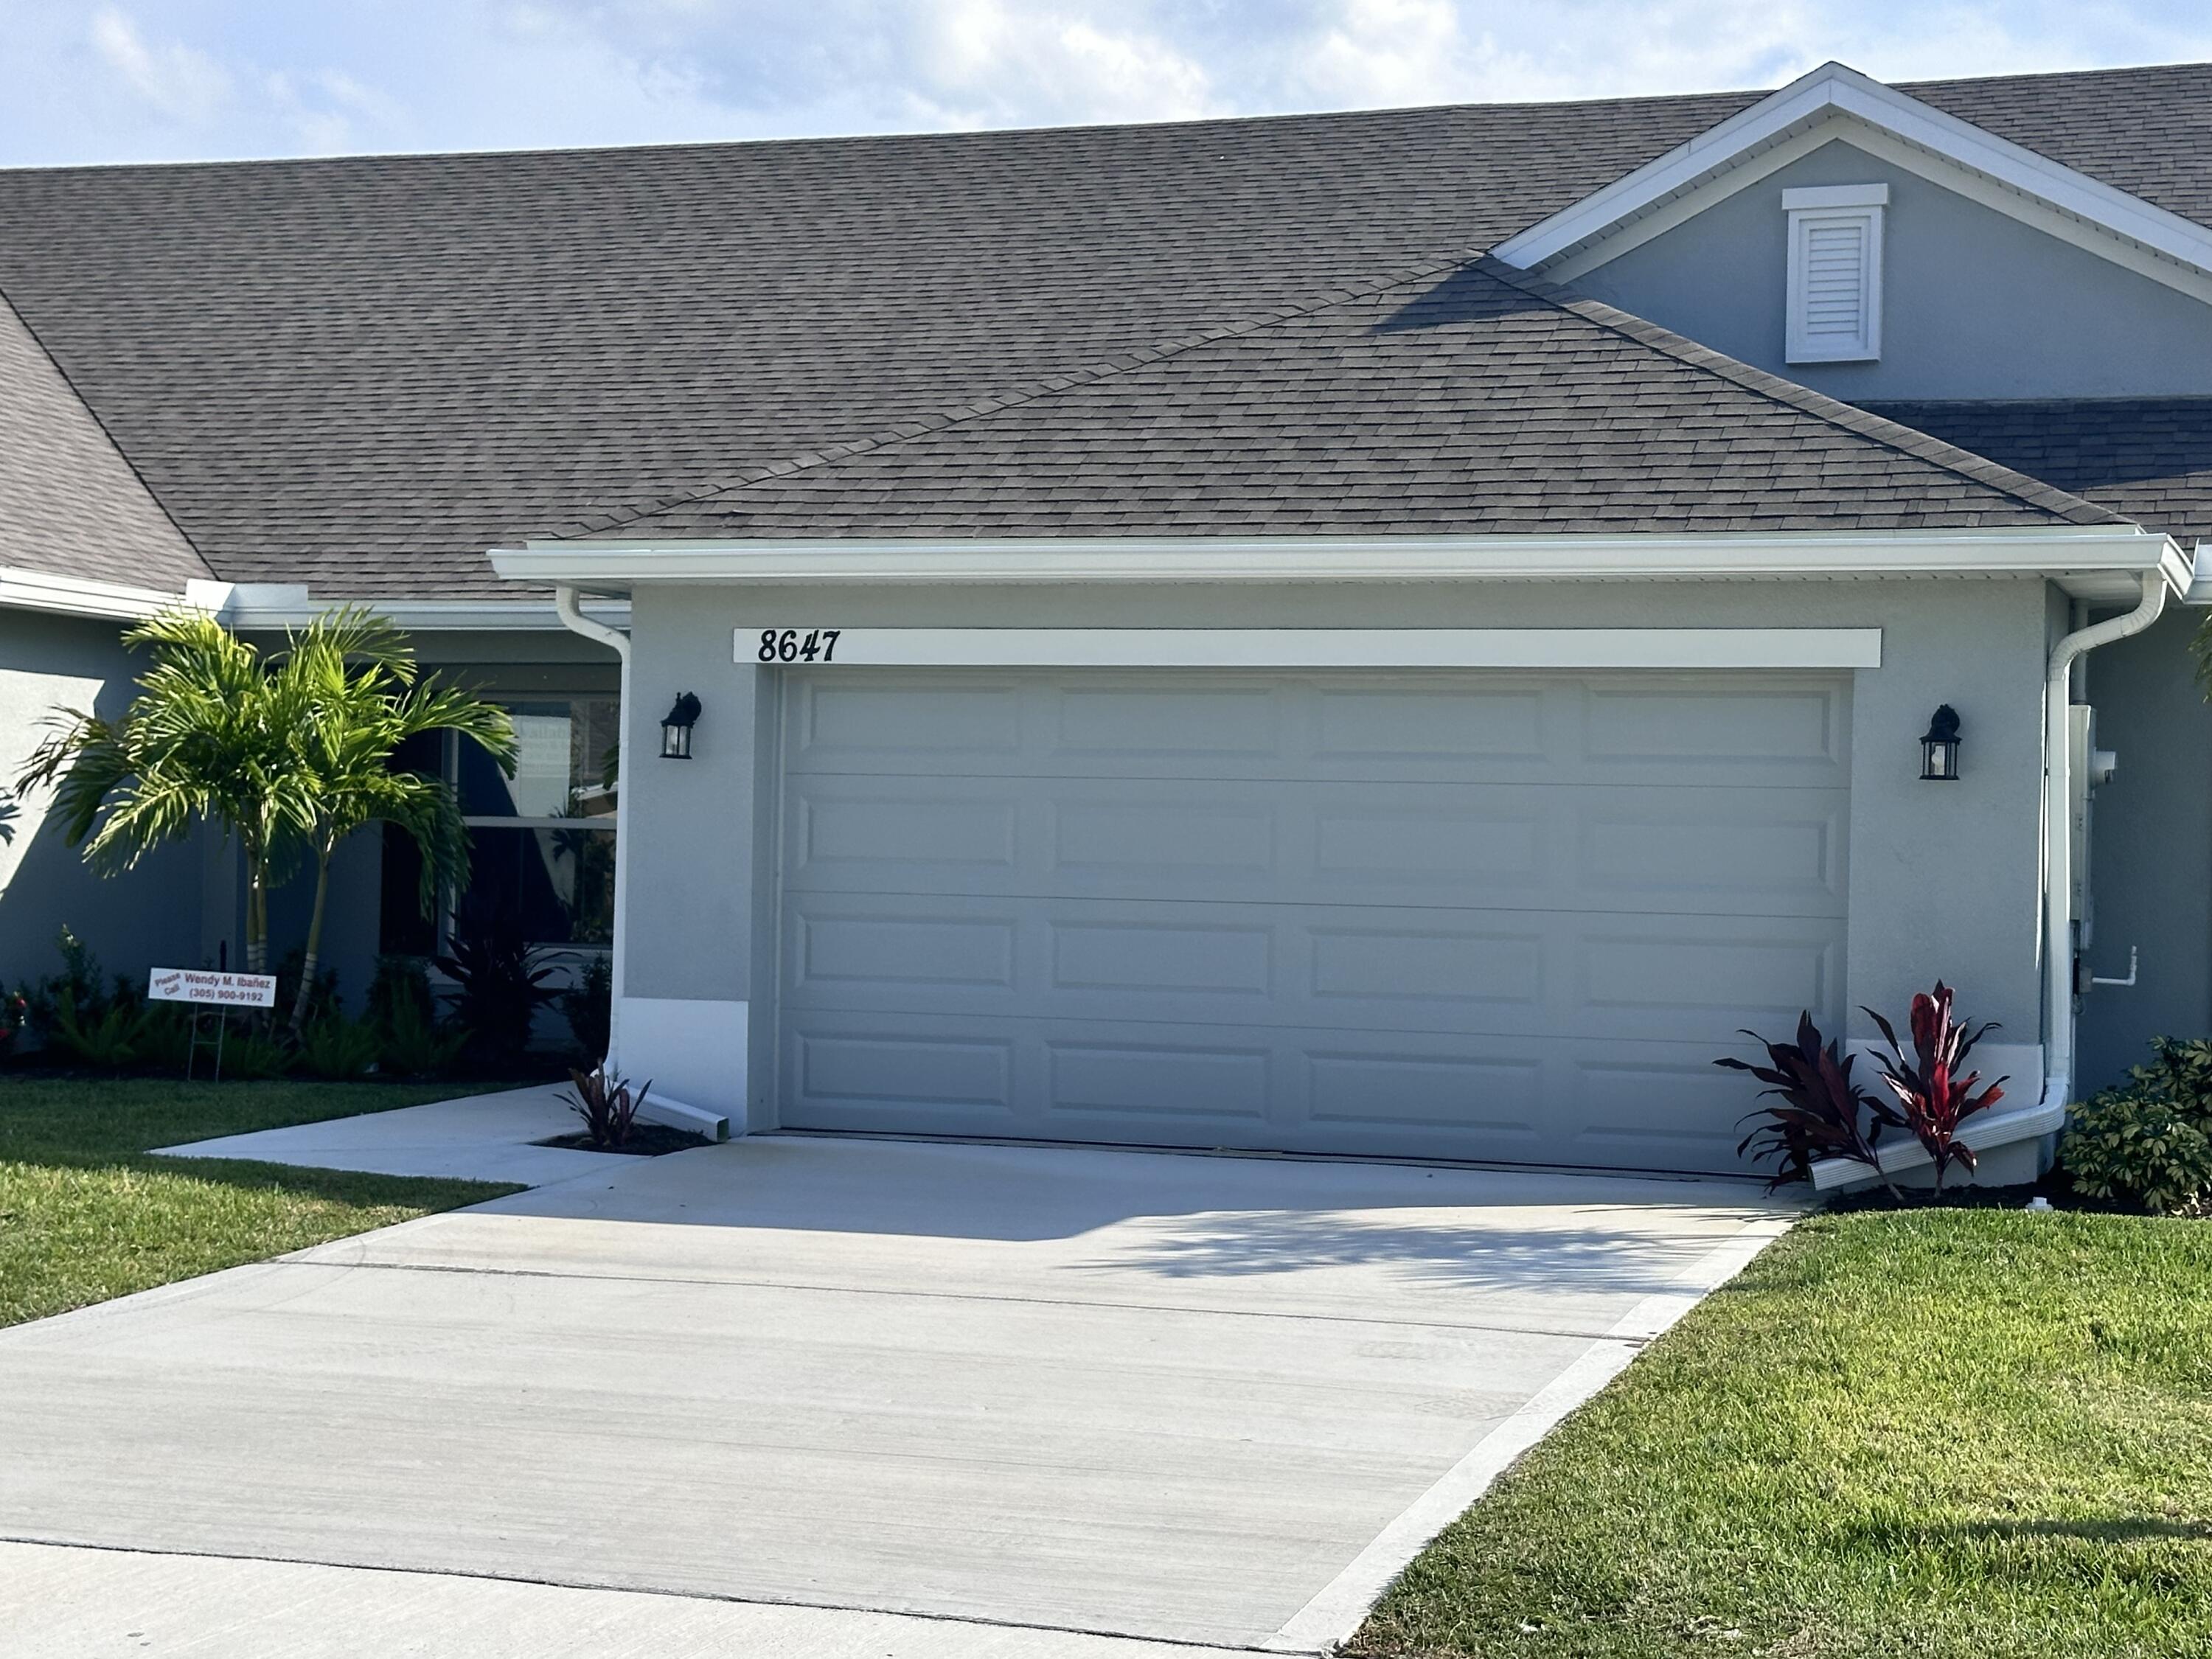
x,y
2087,767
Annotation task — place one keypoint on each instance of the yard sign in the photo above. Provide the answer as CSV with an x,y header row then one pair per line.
x,y
208,985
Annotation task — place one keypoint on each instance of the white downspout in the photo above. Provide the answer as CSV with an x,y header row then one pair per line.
x,y
2058,838
572,618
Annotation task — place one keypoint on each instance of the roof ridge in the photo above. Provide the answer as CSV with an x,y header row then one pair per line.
x,y
114,444
1022,392
1892,434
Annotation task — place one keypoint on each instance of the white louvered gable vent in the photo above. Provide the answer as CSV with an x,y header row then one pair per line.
x,y
1835,273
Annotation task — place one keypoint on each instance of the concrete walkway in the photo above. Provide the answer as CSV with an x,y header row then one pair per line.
x,y
1049,1394
476,1138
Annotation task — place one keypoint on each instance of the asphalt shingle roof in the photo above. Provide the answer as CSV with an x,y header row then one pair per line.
x,y
1464,399
362,372
69,504
2147,459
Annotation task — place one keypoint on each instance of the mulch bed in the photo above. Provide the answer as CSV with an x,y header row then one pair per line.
x,y
646,1140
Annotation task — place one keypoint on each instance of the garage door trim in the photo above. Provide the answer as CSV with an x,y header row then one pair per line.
x,y
826,645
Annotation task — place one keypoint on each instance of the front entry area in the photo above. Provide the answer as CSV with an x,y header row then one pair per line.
x,y
1485,914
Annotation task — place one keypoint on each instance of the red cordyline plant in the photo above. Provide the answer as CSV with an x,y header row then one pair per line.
x,y
1934,1097
606,1104
1818,1108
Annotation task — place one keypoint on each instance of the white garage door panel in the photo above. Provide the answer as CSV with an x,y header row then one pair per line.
x,y
1474,915
1435,725
1611,1104
1685,978
1522,846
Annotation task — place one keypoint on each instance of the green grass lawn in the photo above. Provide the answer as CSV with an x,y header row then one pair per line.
x,y
1939,1433
86,1215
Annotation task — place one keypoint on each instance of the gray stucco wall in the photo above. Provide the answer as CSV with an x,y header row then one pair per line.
x,y
1944,878
1975,303
148,917
691,825
2151,852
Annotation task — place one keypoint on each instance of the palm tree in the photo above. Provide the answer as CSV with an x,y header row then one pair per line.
x,y
356,676
205,738
289,752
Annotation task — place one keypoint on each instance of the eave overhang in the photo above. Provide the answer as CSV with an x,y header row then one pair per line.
x,y
43,591
2096,563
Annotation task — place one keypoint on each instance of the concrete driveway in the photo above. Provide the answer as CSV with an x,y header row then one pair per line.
x,y
1211,1400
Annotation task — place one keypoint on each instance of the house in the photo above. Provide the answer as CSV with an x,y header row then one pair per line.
x,y
1384,633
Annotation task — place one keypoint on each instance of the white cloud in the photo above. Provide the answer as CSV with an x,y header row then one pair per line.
x,y
987,62
180,82
275,76
332,111
1385,51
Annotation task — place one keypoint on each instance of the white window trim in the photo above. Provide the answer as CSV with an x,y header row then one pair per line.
x,y
1808,209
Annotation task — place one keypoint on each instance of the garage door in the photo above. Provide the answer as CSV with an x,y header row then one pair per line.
x,y
1461,915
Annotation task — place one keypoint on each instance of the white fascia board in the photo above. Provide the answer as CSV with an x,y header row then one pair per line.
x,y
1333,647
420,616
76,596
2061,553
2180,252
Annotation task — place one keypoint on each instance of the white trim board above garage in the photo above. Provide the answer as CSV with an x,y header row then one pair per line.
x,y
825,644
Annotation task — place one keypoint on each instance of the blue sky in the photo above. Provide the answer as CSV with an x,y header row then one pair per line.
x,y
140,80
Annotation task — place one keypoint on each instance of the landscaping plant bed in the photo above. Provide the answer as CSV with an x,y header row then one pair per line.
x,y
646,1140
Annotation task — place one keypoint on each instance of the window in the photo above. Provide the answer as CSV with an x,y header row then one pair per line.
x,y
1835,273
541,843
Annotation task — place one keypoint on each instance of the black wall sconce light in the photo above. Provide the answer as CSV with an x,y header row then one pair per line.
x,y
1939,750
676,729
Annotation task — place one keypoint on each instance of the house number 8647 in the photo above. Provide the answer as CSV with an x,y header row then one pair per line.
x,y
789,644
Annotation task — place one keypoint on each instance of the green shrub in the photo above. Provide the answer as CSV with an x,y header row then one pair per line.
x,y
14,1014
165,1044
248,1053
400,978
589,1005
2132,1143
338,1049
415,1044
500,984
81,980
2180,1072
108,1038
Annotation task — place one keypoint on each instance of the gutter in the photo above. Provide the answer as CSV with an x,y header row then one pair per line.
x,y
659,1107
253,607
79,596
572,617
2100,563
